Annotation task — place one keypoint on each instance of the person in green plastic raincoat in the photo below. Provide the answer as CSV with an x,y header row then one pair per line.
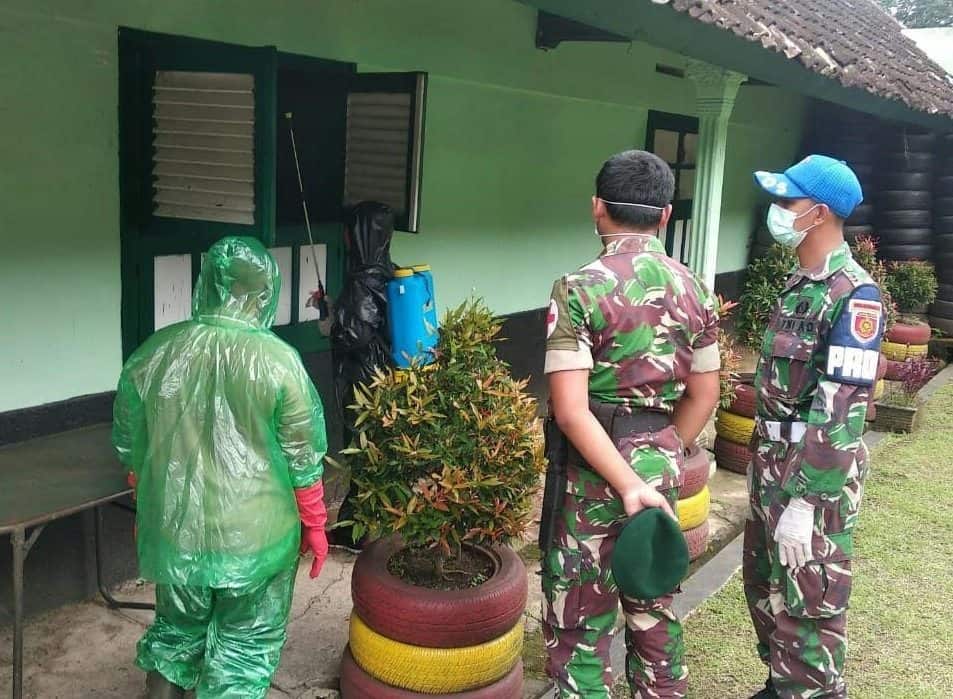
x,y
223,434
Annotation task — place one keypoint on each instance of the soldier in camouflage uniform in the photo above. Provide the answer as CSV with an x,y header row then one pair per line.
x,y
818,361
632,360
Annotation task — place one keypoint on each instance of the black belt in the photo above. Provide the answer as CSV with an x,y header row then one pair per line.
x,y
620,420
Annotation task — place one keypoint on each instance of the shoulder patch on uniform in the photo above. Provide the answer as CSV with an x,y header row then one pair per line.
x,y
853,351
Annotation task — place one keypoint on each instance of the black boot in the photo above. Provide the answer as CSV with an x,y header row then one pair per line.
x,y
768,692
158,687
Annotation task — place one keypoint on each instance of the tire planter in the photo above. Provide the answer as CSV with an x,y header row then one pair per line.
x,y
695,472
914,218
900,353
434,670
902,253
904,200
744,401
357,684
734,428
905,181
894,370
909,333
882,367
693,511
944,325
905,236
942,309
437,618
697,540
732,457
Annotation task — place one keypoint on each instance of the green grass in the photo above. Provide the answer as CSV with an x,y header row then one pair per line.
x,y
901,617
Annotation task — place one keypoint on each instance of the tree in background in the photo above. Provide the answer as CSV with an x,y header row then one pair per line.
x,y
916,14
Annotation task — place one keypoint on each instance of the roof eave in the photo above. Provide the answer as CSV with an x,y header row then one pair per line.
x,y
662,26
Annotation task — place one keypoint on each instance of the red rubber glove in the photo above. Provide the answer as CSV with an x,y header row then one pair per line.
x,y
314,515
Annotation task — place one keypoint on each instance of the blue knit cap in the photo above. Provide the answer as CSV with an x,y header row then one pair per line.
x,y
817,177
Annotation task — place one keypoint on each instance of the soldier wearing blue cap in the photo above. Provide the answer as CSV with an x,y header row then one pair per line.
x,y
818,363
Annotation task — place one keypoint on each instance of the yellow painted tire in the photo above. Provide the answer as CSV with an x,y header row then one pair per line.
x,y
434,670
693,511
879,389
734,428
900,353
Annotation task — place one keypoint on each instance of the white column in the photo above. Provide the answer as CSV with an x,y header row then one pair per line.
x,y
716,89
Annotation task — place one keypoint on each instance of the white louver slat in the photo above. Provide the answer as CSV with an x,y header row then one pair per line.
x,y
203,146
384,131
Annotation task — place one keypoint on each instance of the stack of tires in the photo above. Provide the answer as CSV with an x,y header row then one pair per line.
x,y
735,427
408,642
694,504
850,136
904,200
941,312
902,342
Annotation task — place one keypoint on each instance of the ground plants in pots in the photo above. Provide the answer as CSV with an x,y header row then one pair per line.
x,y
898,409
912,285
447,458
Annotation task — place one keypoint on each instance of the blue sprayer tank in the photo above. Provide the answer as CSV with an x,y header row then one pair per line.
x,y
412,315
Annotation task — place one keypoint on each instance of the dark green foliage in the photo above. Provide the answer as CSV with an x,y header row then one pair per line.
x,y
764,282
447,453
912,284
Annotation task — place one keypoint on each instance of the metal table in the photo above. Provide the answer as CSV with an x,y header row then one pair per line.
x,y
45,479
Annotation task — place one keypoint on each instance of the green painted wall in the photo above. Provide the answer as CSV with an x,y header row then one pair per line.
x,y
514,138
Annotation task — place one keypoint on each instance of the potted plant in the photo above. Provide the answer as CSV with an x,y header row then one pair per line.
x,y
736,403
898,410
447,459
912,285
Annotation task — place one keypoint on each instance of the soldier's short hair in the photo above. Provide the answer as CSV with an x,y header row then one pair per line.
x,y
635,177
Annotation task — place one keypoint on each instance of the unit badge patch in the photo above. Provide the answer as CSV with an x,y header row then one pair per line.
x,y
864,319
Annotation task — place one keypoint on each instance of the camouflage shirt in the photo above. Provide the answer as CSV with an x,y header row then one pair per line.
x,y
818,361
639,321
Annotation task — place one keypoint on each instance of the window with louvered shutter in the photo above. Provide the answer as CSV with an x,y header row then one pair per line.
x,y
384,143
203,146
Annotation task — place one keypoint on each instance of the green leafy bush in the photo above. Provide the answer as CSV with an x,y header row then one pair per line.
x,y
764,282
450,452
912,284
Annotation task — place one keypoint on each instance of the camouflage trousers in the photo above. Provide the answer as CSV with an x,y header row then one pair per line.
x,y
580,608
799,615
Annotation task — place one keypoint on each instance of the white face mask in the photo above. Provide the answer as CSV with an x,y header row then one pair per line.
x,y
781,225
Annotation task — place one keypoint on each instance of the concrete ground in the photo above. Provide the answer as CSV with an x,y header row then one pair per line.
x,y
87,650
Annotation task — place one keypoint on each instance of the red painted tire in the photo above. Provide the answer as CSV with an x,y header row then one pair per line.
x,y
357,684
893,369
882,367
909,333
732,457
697,540
437,618
743,404
695,473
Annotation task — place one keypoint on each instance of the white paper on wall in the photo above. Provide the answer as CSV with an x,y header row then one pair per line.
x,y
172,289
308,280
283,258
